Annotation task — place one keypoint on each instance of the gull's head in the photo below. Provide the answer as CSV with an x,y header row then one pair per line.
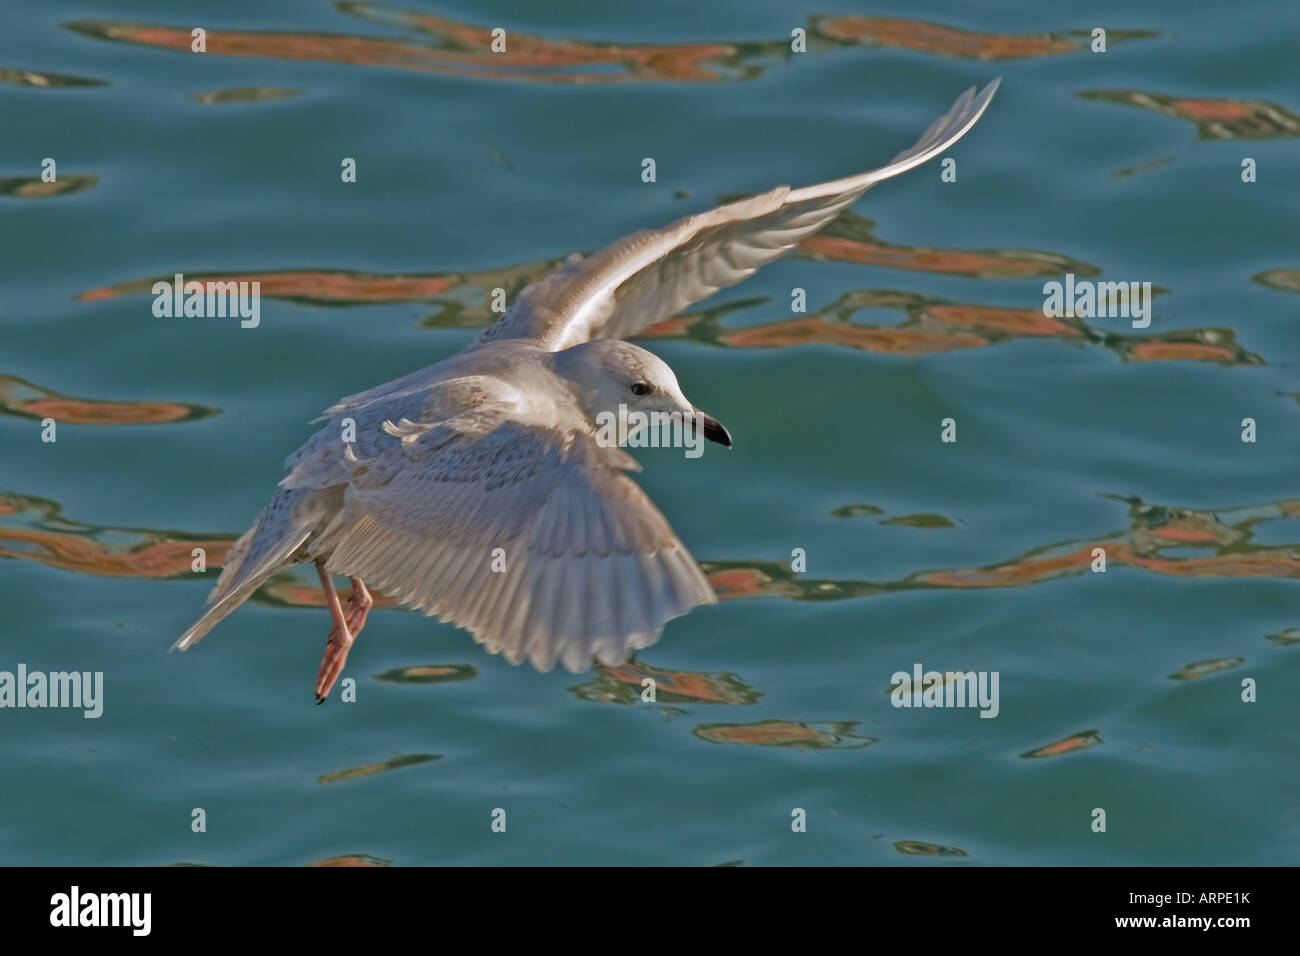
x,y
613,380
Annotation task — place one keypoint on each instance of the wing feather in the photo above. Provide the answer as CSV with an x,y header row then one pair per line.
x,y
652,275
576,532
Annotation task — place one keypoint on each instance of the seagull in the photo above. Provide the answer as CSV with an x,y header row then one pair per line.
x,y
479,489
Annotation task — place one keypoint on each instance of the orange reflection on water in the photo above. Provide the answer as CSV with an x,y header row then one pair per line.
x,y
1151,544
382,766
868,338
441,45
825,735
693,62
1272,563
827,246
21,398
922,848
1079,741
625,685
33,187
1180,352
1214,118
313,286
429,674
1198,669
850,238
1155,530
933,326
341,287
32,529
463,50
935,38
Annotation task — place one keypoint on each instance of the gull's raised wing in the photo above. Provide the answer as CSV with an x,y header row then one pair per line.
x,y
652,275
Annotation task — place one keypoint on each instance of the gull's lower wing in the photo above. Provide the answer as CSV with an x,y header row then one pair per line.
x,y
652,275
534,541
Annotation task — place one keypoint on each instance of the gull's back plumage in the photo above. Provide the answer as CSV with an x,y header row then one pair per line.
x,y
475,490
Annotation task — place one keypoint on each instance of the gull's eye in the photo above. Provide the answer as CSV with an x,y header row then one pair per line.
x,y
641,388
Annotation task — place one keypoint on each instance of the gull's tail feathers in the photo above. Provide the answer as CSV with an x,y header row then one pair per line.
x,y
270,545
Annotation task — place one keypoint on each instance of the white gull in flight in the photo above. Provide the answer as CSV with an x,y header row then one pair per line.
x,y
477,489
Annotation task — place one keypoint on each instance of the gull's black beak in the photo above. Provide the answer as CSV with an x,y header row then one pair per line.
x,y
713,429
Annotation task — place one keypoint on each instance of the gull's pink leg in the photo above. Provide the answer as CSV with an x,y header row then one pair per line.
x,y
359,604
336,651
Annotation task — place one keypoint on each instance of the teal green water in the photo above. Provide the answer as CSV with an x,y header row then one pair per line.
x,y
1119,690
